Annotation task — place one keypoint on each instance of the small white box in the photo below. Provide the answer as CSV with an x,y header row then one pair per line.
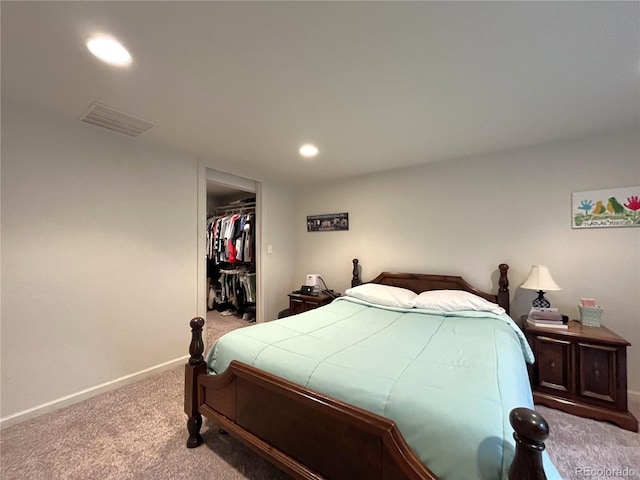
x,y
590,316
312,280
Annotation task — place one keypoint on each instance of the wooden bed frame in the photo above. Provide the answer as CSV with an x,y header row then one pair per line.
x,y
313,436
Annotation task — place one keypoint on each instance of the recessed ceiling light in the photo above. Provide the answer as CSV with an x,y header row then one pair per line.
x,y
308,150
109,50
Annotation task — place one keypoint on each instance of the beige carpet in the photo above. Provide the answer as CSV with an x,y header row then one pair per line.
x,y
578,445
139,432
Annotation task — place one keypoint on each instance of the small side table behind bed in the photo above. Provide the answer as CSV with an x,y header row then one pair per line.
x,y
299,303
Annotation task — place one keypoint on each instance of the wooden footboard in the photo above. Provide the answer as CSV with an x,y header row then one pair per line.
x,y
313,436
306,434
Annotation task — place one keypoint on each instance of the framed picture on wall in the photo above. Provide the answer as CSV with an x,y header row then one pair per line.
x,y
329,222
614,207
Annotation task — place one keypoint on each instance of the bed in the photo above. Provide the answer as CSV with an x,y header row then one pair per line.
x,y
409,376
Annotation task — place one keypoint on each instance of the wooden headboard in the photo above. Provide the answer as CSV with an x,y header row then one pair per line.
x,y
422,282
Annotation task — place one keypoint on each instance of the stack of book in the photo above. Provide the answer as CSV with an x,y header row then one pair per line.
x,y
546,317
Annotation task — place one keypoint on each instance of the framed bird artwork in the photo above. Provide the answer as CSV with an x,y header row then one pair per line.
x,y
615,207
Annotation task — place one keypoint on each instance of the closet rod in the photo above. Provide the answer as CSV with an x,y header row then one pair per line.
x,y
235,208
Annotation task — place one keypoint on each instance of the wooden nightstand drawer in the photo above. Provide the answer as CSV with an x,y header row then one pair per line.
x,y
297,305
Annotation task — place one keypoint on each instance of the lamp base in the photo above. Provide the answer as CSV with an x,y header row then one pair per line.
x,y
541,302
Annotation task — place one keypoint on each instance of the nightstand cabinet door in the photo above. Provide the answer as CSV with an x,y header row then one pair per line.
x,y
297,305
554,364
597,369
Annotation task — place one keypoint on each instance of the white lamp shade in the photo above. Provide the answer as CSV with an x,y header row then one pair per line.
x,y
540,279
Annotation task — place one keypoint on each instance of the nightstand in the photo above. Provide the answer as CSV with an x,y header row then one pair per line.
x,y
582,371
299,303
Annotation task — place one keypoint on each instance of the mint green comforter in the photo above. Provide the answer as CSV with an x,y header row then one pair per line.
x,y
448,380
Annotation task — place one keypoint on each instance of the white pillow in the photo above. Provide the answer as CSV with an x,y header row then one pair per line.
x,y
454,301
382,295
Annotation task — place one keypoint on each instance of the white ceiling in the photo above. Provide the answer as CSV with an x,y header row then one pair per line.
x,y
375,85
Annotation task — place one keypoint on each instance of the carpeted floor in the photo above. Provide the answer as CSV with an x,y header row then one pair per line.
x,y
139,432
580,445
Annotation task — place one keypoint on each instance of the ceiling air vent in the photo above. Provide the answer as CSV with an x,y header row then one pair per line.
x,y
116,120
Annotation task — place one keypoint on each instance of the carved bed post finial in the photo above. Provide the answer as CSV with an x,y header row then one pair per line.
x,y
355,279
196,348
503,283
193,368
503,287
531,430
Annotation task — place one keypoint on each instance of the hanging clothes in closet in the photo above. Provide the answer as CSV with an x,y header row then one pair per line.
x,y
231,238
231,260
237,287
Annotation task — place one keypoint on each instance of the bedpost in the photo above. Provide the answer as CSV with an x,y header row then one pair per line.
x,y
531,430
355,279
503,287
195,367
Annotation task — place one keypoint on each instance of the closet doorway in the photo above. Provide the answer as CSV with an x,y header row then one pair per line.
x,y
231,248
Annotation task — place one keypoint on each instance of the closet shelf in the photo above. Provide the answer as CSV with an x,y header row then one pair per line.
x,y
235,208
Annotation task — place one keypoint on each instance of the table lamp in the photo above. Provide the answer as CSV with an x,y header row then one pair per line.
x,y
540,279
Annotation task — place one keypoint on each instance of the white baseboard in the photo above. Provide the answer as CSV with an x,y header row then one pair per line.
x,y
634,403
88,393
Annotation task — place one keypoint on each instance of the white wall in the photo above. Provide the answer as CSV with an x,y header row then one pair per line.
x,y
278,231
467,216
99,259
